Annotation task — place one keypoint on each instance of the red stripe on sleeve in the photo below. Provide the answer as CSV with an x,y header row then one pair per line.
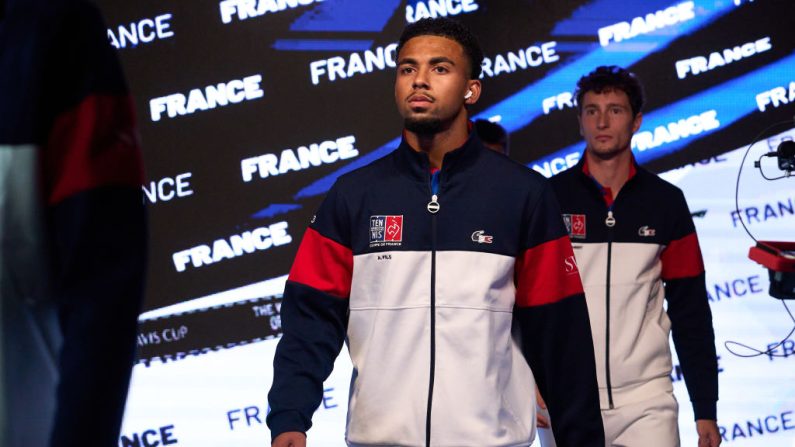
x,y
547,273
323,265
682,258
95,144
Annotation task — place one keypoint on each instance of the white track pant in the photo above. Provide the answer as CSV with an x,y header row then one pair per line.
x,y
648,423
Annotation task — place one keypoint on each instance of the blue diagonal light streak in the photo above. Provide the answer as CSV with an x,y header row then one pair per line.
x,y
276,209
322,185
587,19
322,45
347,16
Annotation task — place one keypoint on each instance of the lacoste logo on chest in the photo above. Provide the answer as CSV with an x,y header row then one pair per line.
x,y
481,237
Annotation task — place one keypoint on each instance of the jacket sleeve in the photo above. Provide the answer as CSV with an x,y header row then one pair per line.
x,y
554,326
91,176
691,318
314,316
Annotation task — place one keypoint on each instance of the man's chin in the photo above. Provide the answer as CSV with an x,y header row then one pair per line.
x,y
607,153
424,126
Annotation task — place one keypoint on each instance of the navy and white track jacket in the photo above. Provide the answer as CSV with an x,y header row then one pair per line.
x,y
649,254
426,303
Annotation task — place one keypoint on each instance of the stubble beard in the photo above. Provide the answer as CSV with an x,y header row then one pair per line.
x,y
423,126
609,152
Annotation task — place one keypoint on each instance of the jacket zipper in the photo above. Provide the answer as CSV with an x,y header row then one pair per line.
x,y
433,208
610,222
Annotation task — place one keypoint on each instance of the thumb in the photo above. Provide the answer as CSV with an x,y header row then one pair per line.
x,y
540,400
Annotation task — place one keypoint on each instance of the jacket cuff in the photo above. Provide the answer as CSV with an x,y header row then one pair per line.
x,y
705,409
285,421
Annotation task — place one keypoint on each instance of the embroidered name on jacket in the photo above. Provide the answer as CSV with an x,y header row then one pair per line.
x,y
575,225
386,231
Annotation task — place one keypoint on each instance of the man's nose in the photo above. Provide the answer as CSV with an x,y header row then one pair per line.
x,y
602,121
420,80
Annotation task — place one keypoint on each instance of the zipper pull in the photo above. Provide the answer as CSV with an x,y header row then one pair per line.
x,y
610,221
433,205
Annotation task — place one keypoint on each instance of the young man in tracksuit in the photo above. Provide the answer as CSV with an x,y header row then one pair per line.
x,y
422,262
635,245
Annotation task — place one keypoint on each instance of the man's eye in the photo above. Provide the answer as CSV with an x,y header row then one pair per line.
x,y
440,69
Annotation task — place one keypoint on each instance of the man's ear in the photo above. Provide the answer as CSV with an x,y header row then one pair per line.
x,y
637,122
473,91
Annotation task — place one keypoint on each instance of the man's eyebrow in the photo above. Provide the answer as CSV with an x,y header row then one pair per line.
x,y
432,61
609,104
441,59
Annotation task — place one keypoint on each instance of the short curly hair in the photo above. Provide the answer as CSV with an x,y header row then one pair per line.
x,y
451,29
611,77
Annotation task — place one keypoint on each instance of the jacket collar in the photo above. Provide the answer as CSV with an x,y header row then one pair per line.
x,y
582,172
582,168
417,164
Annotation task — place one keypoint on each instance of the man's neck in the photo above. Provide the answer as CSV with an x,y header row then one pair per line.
x,y
440,143
612,172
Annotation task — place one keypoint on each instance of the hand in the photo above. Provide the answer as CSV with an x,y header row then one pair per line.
x,y
290,439
708,434
541,420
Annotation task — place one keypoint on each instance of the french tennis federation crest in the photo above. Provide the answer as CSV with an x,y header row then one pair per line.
x,y
575,225
386,230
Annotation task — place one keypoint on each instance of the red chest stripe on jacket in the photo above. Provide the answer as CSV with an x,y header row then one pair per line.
x,y
682,258
95,144
323,264
547,273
